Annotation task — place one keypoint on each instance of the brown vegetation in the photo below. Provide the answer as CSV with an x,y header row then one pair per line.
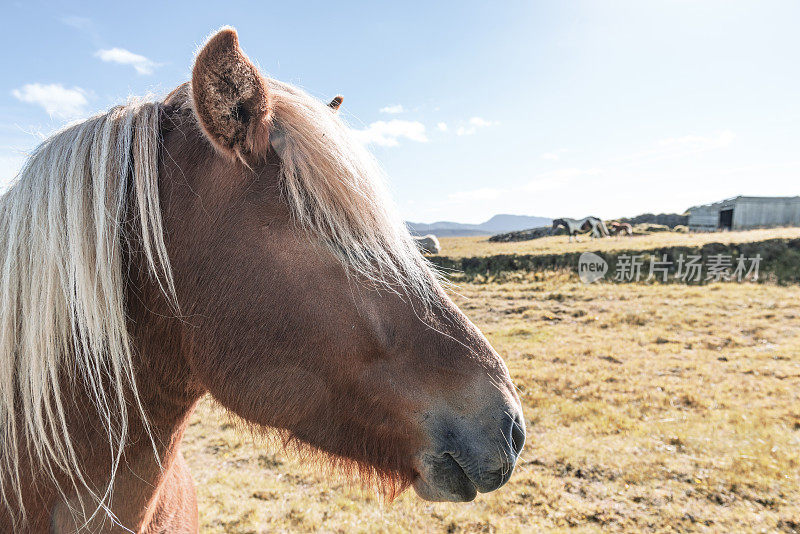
x,y
649,408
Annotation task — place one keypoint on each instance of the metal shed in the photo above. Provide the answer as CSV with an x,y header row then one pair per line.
x,y
741,213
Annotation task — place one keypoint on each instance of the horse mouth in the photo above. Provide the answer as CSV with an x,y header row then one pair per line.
x,y
443,479
464,461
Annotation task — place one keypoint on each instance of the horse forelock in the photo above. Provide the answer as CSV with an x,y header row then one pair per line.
x,y
337,191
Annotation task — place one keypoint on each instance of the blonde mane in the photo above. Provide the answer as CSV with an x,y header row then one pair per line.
x,y
337,191
62,236
62,302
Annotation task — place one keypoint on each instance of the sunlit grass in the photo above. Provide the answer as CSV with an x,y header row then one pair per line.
x,y
649,408
458,247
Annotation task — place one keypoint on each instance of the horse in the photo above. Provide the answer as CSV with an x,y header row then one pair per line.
x,y
594,226
428,244
620,229
233,239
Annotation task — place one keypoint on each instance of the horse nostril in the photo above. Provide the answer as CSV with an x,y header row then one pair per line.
x,y
517,434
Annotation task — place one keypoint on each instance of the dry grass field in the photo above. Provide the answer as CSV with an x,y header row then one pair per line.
x,y
649,409
458,247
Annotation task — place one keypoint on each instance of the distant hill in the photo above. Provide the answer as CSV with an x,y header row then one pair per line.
x,y
496,225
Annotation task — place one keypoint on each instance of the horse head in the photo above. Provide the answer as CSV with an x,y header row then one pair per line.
x,y
306,306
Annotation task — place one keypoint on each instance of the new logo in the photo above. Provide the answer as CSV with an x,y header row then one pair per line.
x,y
591,267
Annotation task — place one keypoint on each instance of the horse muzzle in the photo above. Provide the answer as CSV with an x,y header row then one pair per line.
x,y
468,456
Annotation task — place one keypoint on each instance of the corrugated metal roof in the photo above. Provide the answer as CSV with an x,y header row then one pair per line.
x,y
742,197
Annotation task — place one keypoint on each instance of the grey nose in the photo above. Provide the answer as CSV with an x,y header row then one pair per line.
x,y
513,428
490,464
471,455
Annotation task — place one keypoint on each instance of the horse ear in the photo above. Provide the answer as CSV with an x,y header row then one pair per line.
x,y
230,97
336,102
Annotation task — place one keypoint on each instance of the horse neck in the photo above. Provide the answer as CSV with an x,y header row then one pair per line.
x,y
144,475
144,481
164,379
168,396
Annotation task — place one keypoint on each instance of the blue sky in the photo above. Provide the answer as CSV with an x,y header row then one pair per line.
x,y
610,108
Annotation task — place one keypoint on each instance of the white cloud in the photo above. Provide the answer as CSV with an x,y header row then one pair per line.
x,y
473,125
388,133
479,122
126,57
666,174
393,110
80,23
720,140
85,26
677,148
442,126
56,99
548,181
555,155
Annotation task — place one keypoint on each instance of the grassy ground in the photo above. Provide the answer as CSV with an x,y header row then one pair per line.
x,y
459,247
649,408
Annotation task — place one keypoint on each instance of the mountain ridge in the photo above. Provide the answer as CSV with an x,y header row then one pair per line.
x,y
497,224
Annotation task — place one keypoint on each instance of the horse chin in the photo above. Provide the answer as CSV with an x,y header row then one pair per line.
x,y
441,479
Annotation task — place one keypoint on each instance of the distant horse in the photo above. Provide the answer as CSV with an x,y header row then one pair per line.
x,y
428,244
620,229
233,239
591,225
